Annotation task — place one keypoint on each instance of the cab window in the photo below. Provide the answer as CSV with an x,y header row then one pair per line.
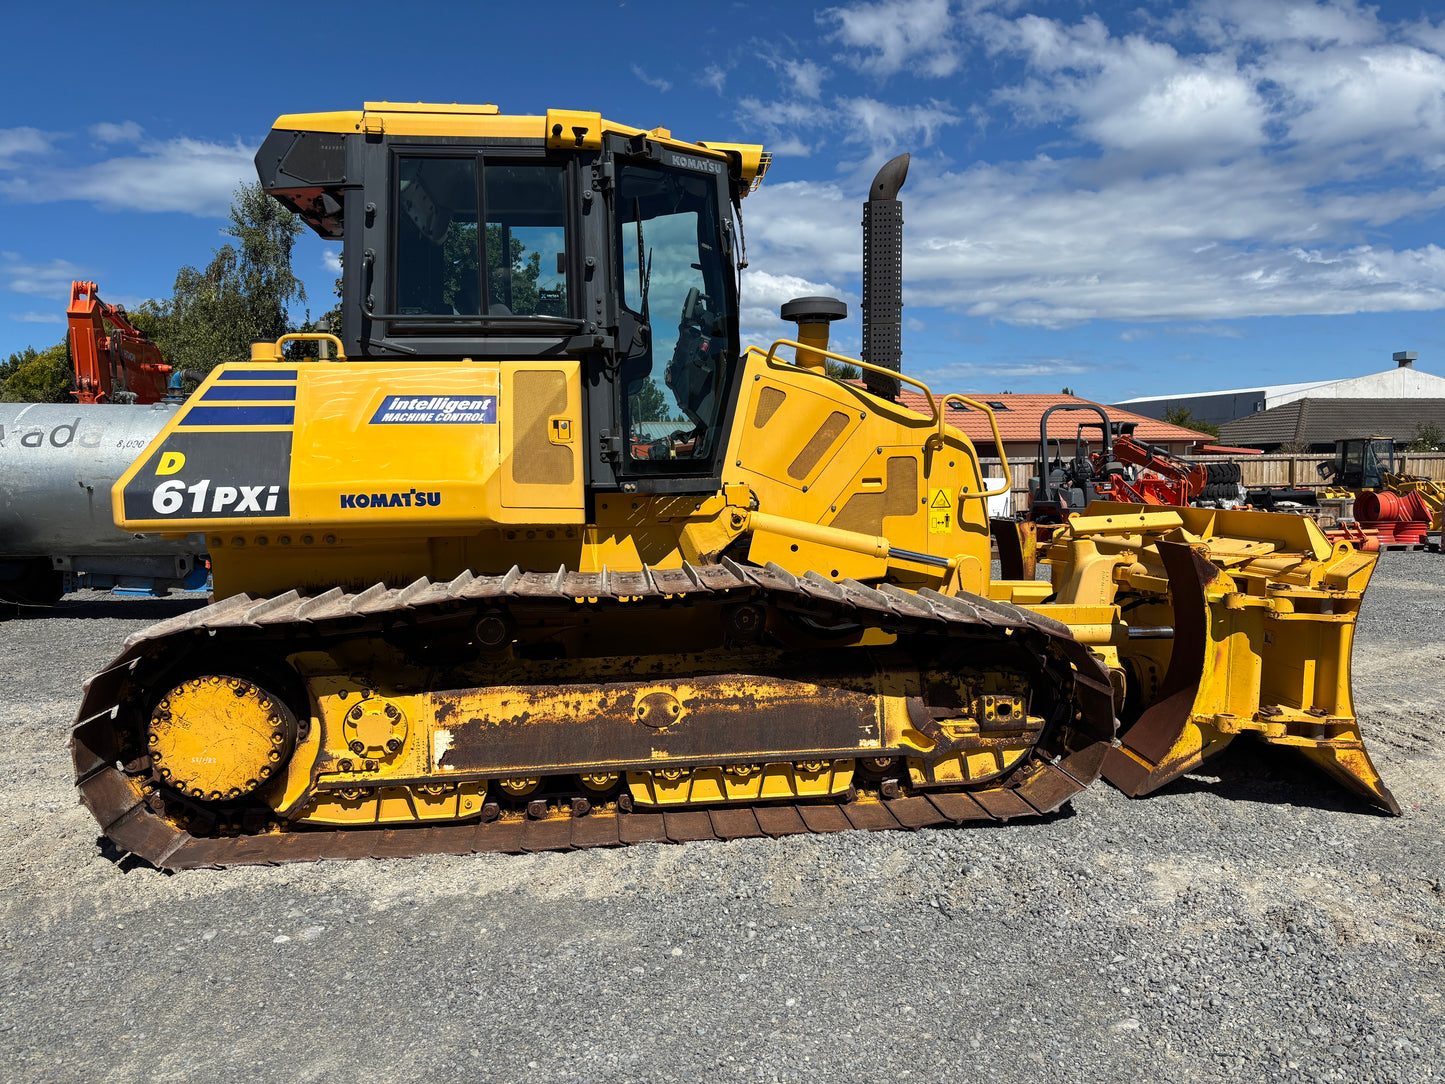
x,y
526,253
515,265
673,276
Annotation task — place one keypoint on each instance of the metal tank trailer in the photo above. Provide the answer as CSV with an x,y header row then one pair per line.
x,y
57,465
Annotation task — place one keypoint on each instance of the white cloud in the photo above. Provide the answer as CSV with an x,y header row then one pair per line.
x,y
1387,98
38,317
992,374
889,128
894,34
1324,81
789,147
1027,244
882,127
1130,94
184,175
1219,331
655,82
331,261
806,77
763,295
1223,23
125,132
808,229
778,124
15,142
714,76
1168,183
51,278
1426,33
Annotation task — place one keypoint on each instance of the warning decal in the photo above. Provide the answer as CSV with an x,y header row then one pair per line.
x,y
940,512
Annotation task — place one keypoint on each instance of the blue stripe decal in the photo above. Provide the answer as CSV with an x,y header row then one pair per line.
x,y
258,374
239,415
283,394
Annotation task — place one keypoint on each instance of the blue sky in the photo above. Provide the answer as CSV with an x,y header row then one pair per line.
x,y
1128,199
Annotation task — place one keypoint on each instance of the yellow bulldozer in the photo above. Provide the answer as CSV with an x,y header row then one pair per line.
x,y
540,557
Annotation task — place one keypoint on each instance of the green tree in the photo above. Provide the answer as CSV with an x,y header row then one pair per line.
x,y
459,268
459,271
332,317
1066,391
525,271
243,295
841,370
649,403
1429,437
38,376
15,360
1185,419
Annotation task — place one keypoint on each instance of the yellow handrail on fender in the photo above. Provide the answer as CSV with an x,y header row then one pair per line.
x,y
997,443
936,408
264,351
928,392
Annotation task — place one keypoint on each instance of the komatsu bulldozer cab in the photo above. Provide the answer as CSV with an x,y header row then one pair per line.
x,y
471,235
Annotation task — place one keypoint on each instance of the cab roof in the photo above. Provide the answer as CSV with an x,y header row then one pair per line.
x,y
560,128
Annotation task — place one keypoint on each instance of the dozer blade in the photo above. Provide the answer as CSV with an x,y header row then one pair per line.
x,y
1264,612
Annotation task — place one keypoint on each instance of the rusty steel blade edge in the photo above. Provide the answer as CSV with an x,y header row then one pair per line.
x,y
117,801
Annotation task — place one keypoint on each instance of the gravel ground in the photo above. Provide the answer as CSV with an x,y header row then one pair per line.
x,y
1248,923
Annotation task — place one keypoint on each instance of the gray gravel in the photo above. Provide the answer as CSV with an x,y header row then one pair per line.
x,y
1248,923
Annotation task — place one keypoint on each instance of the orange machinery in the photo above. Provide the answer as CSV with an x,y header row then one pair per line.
x,y
116,366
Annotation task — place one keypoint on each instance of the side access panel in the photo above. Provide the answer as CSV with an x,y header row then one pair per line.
x,y
402,448
541,442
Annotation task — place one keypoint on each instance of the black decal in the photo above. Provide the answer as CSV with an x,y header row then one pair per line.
x,y
221,466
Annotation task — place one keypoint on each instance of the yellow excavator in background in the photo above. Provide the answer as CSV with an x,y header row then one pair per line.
x,y
543,558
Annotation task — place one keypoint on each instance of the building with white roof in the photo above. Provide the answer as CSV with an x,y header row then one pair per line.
x,y
1404,381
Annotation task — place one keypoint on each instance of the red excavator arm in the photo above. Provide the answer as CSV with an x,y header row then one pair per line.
x,y
121,366
1178,481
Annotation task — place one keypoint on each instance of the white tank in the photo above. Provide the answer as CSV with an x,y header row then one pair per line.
x,y
57,464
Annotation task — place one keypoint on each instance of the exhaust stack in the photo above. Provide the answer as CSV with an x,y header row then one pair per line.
x,y
883,277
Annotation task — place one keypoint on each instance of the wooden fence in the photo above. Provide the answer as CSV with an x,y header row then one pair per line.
x,y
1257,471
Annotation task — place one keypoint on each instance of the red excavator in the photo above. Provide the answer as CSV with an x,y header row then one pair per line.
x,y
117,364
1124,469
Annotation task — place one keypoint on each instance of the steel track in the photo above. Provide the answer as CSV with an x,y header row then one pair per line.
x,y
112,769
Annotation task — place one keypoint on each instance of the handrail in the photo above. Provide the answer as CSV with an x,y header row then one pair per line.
x,y
938,409
263,351
937,417
997,443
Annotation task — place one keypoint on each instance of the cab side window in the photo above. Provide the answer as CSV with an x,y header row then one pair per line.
x,y
436,237
515,265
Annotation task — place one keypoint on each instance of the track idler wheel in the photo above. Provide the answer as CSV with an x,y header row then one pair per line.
x,y
218,738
